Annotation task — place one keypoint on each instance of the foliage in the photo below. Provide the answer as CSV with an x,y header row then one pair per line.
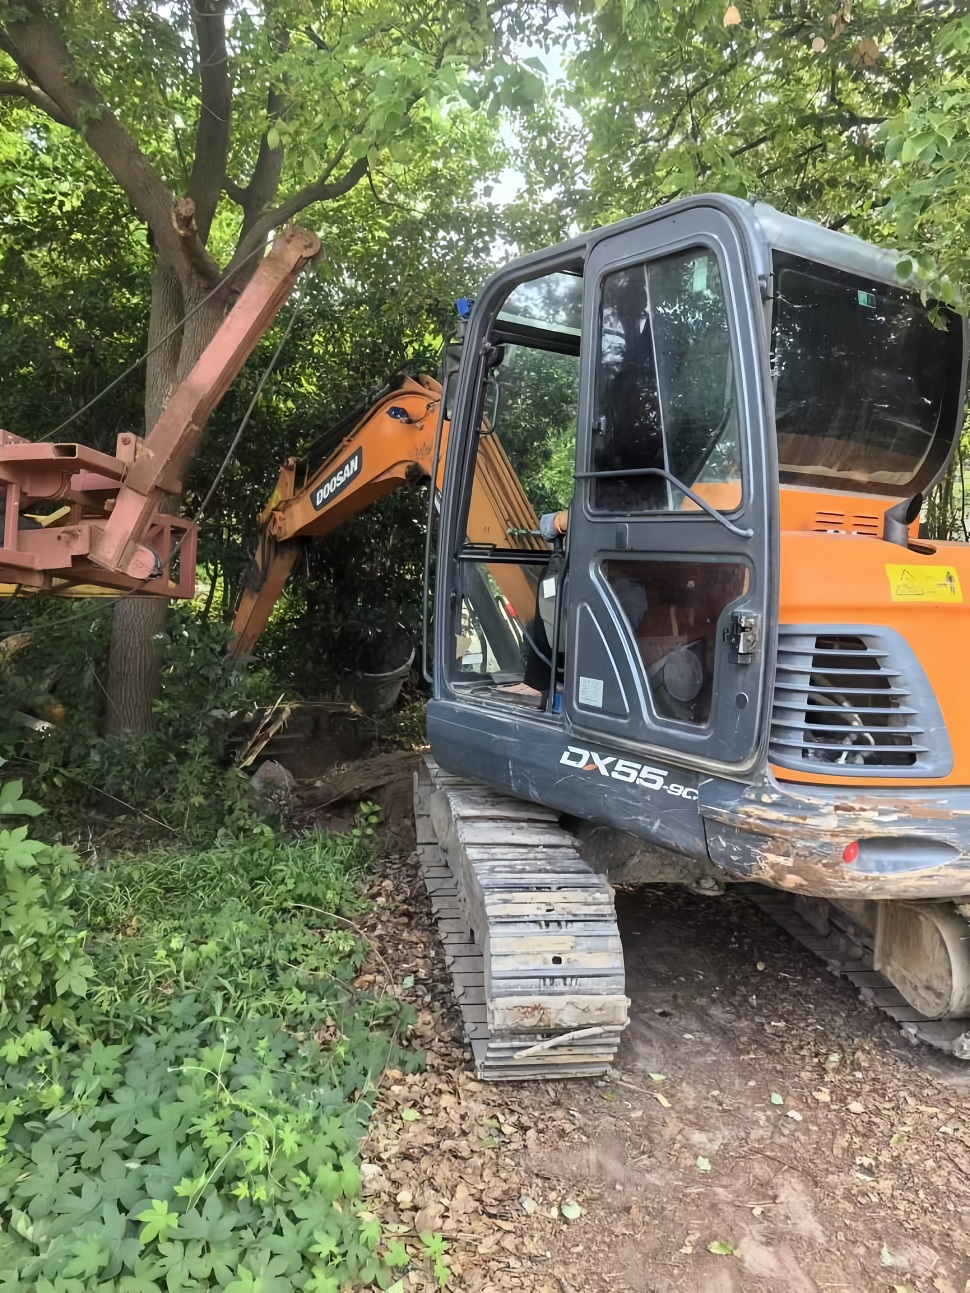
x,y
42,959
187,1117
256,112
852,112
929,142
946,504
177,773
73,289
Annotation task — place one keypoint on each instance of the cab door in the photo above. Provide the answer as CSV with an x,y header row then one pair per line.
x,y
672,533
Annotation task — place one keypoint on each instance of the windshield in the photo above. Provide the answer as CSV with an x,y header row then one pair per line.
x,y
866,385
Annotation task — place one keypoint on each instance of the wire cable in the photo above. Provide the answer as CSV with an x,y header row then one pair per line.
x,y
111,602
230,452
151,350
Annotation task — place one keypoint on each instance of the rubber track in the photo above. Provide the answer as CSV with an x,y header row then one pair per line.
x,y
950,1035
518,897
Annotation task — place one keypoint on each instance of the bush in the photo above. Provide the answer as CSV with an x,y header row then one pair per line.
x,y
43,965
175,775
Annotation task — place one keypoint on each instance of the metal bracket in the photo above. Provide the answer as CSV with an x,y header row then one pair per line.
x,y
743,634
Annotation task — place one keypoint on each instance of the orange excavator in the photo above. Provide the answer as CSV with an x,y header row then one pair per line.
x,y
394,441
748,669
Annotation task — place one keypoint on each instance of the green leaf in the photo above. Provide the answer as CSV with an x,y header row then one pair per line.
x,y
320,1282
12,801
396,1254
571,1210
90,1255
137,1284
410,1115
721,1248
159,1222
370,1233
703,1164
776,1098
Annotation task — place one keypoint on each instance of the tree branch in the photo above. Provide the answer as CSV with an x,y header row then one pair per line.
x,y
321,190
317,40
766,138
37,48
212,135
234,192
260,193
36,97
186,226
264,183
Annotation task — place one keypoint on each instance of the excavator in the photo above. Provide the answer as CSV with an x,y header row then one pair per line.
x,y
715,650
387,444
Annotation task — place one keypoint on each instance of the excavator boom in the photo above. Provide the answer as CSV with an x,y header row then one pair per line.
x,y
390,444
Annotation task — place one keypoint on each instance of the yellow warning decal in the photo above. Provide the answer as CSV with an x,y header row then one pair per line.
x,y
924,584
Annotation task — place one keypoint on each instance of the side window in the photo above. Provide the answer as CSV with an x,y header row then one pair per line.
x,y
535,409
665,391
673,609
523,466
525,462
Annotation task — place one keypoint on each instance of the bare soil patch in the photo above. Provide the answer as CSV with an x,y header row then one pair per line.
x,y
764,1129
330,801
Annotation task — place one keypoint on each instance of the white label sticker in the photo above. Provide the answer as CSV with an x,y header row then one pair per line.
x,y
549,587
591,692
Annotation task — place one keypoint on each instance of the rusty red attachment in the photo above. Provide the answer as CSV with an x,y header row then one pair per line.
x,y
71,515
54,504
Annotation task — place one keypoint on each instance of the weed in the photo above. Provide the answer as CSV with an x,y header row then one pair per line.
x,y
367,820
435,1246
172,1114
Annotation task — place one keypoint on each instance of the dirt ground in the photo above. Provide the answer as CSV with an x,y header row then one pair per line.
x,y
764,1130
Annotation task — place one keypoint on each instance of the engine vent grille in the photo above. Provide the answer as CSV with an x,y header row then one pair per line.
x,y
856,703
858,523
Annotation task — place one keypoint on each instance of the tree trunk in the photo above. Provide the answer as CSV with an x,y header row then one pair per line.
x,y
139,621
133,665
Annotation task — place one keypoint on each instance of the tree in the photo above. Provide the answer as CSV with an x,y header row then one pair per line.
x,y
786,103
220,121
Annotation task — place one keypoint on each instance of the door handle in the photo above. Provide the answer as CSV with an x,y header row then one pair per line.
x,y
702,503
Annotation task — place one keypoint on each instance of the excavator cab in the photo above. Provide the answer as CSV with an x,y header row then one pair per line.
x,y
746,649
639,396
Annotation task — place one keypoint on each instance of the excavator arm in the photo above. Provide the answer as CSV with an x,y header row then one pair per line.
x,y
387,445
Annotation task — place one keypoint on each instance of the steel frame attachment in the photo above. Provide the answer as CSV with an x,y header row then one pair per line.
x,y
112,529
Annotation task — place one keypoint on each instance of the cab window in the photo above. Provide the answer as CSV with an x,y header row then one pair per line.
x,y
665,409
